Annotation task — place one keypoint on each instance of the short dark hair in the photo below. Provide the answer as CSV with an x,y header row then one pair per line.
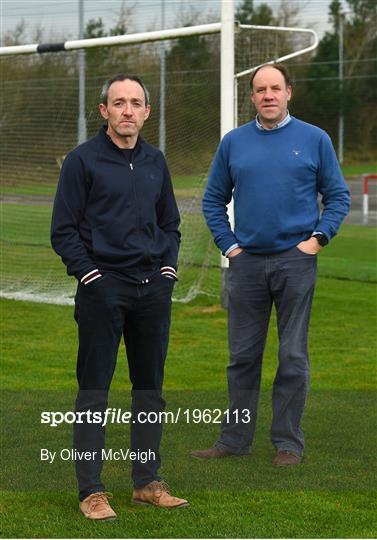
x,y
122,77
283,70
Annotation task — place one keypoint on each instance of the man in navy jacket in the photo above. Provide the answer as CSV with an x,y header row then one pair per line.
x,y
274,168
115,225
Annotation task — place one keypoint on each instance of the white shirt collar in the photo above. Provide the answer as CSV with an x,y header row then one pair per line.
x,y
285,121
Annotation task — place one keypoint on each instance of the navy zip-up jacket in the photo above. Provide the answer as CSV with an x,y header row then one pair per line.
x,y
114,215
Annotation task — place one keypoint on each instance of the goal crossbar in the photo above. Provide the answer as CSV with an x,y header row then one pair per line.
x,y
110,41
305,50
158,35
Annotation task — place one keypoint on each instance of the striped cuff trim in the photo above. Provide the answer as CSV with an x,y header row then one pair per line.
x,y
90,276
93,278
231,248
169,271
168,268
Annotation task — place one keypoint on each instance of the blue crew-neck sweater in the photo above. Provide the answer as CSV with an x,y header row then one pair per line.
x,y
274,177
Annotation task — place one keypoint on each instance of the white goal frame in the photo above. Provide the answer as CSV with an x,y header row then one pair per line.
x,y
229,79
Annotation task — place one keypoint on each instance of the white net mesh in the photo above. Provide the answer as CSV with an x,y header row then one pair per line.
x,y
39,127
254,47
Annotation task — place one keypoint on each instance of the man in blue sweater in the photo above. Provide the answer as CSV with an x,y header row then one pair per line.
x,y
115,225
273,167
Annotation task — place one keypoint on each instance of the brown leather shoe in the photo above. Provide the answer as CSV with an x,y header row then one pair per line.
x,y
96,506
157,494
211,453
285,458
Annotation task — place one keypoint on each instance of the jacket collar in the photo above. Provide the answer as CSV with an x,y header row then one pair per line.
x,y
141,148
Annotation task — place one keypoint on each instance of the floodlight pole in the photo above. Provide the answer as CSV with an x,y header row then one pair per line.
x,y
81,128
227,107
342,15
162,128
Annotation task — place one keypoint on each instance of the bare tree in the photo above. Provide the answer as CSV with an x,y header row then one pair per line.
x,y
17,36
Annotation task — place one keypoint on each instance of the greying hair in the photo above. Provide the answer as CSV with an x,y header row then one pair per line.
x,y
121,77
283,70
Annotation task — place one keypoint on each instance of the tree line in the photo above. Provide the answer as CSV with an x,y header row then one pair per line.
x,y
39,98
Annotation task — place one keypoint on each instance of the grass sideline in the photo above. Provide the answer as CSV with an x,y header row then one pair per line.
x,y
332,495
351,256
184,185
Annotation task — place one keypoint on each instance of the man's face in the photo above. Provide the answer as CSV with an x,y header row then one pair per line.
x,y
270,95
125,111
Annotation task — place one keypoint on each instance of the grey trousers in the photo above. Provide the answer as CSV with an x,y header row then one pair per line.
x,y
286,280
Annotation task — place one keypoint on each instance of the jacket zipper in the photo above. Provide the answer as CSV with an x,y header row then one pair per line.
x,y
138,219
136,200
135,197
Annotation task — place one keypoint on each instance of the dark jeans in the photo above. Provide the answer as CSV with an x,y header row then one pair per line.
x,y
256,282
105,310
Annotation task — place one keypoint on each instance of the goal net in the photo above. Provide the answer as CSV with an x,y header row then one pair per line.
x,y
39,121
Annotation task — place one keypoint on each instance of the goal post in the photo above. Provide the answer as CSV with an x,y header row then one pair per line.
x,y
228,112
39,127
366,178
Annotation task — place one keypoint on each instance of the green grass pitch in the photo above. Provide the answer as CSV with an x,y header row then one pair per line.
x,y
331,495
